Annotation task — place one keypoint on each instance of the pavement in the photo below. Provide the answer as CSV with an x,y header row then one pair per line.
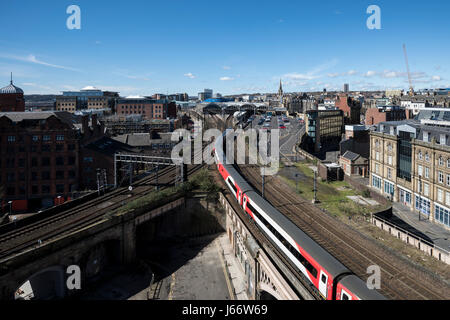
x,y
438,234
234,269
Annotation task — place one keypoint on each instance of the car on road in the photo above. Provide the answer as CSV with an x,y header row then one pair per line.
x,y
282,127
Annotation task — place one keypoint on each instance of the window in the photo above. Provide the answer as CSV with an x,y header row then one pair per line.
x,y
427,172
45,189
34,162
45,148
388,188
376,182
59,188
427,157
60,137
448,163
377,168
440,195
59,175
389,173
59,147
441,177
88,159
442,215
441,161
377,156
426,189
46,138
45,175
419,186
45,161
11,138
59,161
448,180
420,155
447,198
35,138
419,170
423,205
389,147
390,160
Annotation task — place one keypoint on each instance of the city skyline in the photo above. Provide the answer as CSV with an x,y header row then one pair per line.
x,y
231,48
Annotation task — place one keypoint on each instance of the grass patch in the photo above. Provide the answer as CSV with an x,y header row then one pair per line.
x,y
200,181
332,195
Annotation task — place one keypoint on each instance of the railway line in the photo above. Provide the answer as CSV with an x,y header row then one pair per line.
x,y
83,215
348,246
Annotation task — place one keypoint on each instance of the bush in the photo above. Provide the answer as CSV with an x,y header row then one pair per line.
x,y
366,193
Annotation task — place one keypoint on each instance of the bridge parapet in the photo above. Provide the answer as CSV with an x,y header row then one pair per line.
x,y
264,271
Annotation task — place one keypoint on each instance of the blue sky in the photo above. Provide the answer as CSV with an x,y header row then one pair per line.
x,y
143,47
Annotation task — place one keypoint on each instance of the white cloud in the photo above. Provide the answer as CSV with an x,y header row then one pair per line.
x,y
333,75
351,72
32,59
436,78
226,78
189,75
129,76
226,67
370,73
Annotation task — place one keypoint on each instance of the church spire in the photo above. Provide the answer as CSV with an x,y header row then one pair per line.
x,y
280,93
11,78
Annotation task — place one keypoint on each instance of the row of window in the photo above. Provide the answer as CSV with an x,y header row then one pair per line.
x,y
442,215
45,189
35,138
45,161
376,182
44,175
423,205
311,269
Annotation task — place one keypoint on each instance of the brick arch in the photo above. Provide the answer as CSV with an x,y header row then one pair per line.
x,y
44,282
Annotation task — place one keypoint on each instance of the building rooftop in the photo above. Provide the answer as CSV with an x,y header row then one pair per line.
x,y
10,89
64,116
350,155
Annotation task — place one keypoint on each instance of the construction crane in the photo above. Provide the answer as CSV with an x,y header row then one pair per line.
x,y
411,89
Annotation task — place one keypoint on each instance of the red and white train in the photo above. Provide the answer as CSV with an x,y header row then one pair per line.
x,y
330,277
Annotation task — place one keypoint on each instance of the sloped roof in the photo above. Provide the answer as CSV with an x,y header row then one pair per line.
x,y
350,155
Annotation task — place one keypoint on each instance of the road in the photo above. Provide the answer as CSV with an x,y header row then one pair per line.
x,y
288,137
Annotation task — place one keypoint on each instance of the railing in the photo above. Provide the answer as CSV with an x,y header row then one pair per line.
x,y
412,239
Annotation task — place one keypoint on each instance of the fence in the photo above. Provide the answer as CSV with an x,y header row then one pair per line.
x,y
411,239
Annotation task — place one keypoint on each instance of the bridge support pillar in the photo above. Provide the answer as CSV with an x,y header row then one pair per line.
x,y
128,242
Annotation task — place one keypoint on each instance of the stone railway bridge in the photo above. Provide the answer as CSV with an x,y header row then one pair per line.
x,y
113,241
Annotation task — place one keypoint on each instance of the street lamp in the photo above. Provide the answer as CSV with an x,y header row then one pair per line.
x,y
10,207
59,200
420,195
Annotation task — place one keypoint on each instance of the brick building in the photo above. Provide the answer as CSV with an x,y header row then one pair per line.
x,y
382,114
148,108
11,99
39,158
350,107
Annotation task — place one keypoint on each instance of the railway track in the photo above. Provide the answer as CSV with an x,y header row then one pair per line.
x,y
67,221
347,245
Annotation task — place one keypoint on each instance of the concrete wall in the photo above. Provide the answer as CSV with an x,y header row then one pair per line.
x,y
413,240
